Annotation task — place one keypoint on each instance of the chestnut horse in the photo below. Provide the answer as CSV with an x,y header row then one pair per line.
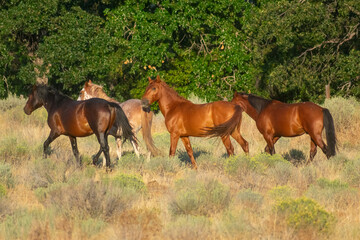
x,y
275,119
138,118
78,119
184,118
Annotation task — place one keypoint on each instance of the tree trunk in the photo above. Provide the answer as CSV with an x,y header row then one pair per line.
x,y
327,91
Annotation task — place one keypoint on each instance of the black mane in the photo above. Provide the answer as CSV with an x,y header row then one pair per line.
x,y
45,91
258,103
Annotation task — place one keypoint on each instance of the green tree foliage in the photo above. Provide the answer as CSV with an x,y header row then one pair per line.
x,y
284,49
300,46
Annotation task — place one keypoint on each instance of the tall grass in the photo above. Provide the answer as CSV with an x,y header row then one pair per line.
x,y
239,197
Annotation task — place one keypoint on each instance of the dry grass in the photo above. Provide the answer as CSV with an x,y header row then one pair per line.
x,y
241,197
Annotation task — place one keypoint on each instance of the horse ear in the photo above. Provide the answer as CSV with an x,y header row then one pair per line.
x,y
89,82
150,80
235,93
158,78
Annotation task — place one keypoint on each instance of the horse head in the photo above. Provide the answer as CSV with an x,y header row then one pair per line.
x,y
241,99
36,98
152,93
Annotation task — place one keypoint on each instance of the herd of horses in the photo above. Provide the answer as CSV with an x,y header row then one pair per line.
x,y
96,113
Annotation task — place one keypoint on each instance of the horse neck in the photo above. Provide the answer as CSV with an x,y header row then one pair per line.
x,y
251,111
169,99
52,100
98,94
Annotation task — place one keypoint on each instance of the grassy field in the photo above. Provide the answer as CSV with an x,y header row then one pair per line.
x,y
239,197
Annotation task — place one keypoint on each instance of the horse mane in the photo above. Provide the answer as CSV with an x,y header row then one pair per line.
x,y
258,103
172,92
97,91
44,90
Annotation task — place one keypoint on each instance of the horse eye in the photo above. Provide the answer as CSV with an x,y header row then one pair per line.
x,y
153,89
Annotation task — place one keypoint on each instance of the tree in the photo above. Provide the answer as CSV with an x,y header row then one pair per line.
x,y
298,47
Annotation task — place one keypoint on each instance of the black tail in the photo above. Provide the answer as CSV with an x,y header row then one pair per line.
x,y
122,125
226,128
330,133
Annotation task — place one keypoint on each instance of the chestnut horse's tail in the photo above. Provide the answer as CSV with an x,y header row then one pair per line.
x,y
226,128
122,125
330,133
146,122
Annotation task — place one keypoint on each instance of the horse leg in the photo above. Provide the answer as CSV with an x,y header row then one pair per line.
x,y
313,150
319,142
75,149
52,136
270,144
102,138
227,143
186,142
136,148
275,139
118,147
174,138
243,143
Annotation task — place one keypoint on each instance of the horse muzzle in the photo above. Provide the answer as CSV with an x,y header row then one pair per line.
x,y
145,105
27,110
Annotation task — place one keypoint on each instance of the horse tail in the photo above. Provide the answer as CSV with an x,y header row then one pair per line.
x,y
226,128
330,133
146,122
122,124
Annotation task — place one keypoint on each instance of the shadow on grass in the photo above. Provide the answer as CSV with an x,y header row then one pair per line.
x,y
184,157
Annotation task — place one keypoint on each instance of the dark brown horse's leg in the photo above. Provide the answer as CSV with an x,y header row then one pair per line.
x,y
52,136
313,150
316,137
227,143
186,142
270,144
243,143
104,147
75,149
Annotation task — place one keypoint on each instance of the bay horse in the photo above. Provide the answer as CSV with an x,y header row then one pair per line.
x,y
275,119
138,118
78,119
184,118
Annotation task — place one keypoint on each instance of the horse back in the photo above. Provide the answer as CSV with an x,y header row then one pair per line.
x,y
190,119
132,109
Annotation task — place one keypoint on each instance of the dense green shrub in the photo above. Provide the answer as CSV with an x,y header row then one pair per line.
x,y
281,193
199,198
129,181
304,213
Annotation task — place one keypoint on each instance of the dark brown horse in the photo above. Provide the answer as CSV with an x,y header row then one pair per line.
x,y
138,118
78,119
184,118
276,119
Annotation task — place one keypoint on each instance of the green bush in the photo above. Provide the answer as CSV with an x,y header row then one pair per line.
x,y
13,150
91,226
351,173
162,164
11,102
304,213
89,199
199,198
250,199
234,165
334,193
129,181
2,190
6,176
234,225
281,172
281,193
189,227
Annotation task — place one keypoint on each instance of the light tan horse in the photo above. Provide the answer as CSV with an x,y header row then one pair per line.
x,y
184,118
138,118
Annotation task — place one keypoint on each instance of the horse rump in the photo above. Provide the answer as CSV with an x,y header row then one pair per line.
x,y
226,128
122,124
